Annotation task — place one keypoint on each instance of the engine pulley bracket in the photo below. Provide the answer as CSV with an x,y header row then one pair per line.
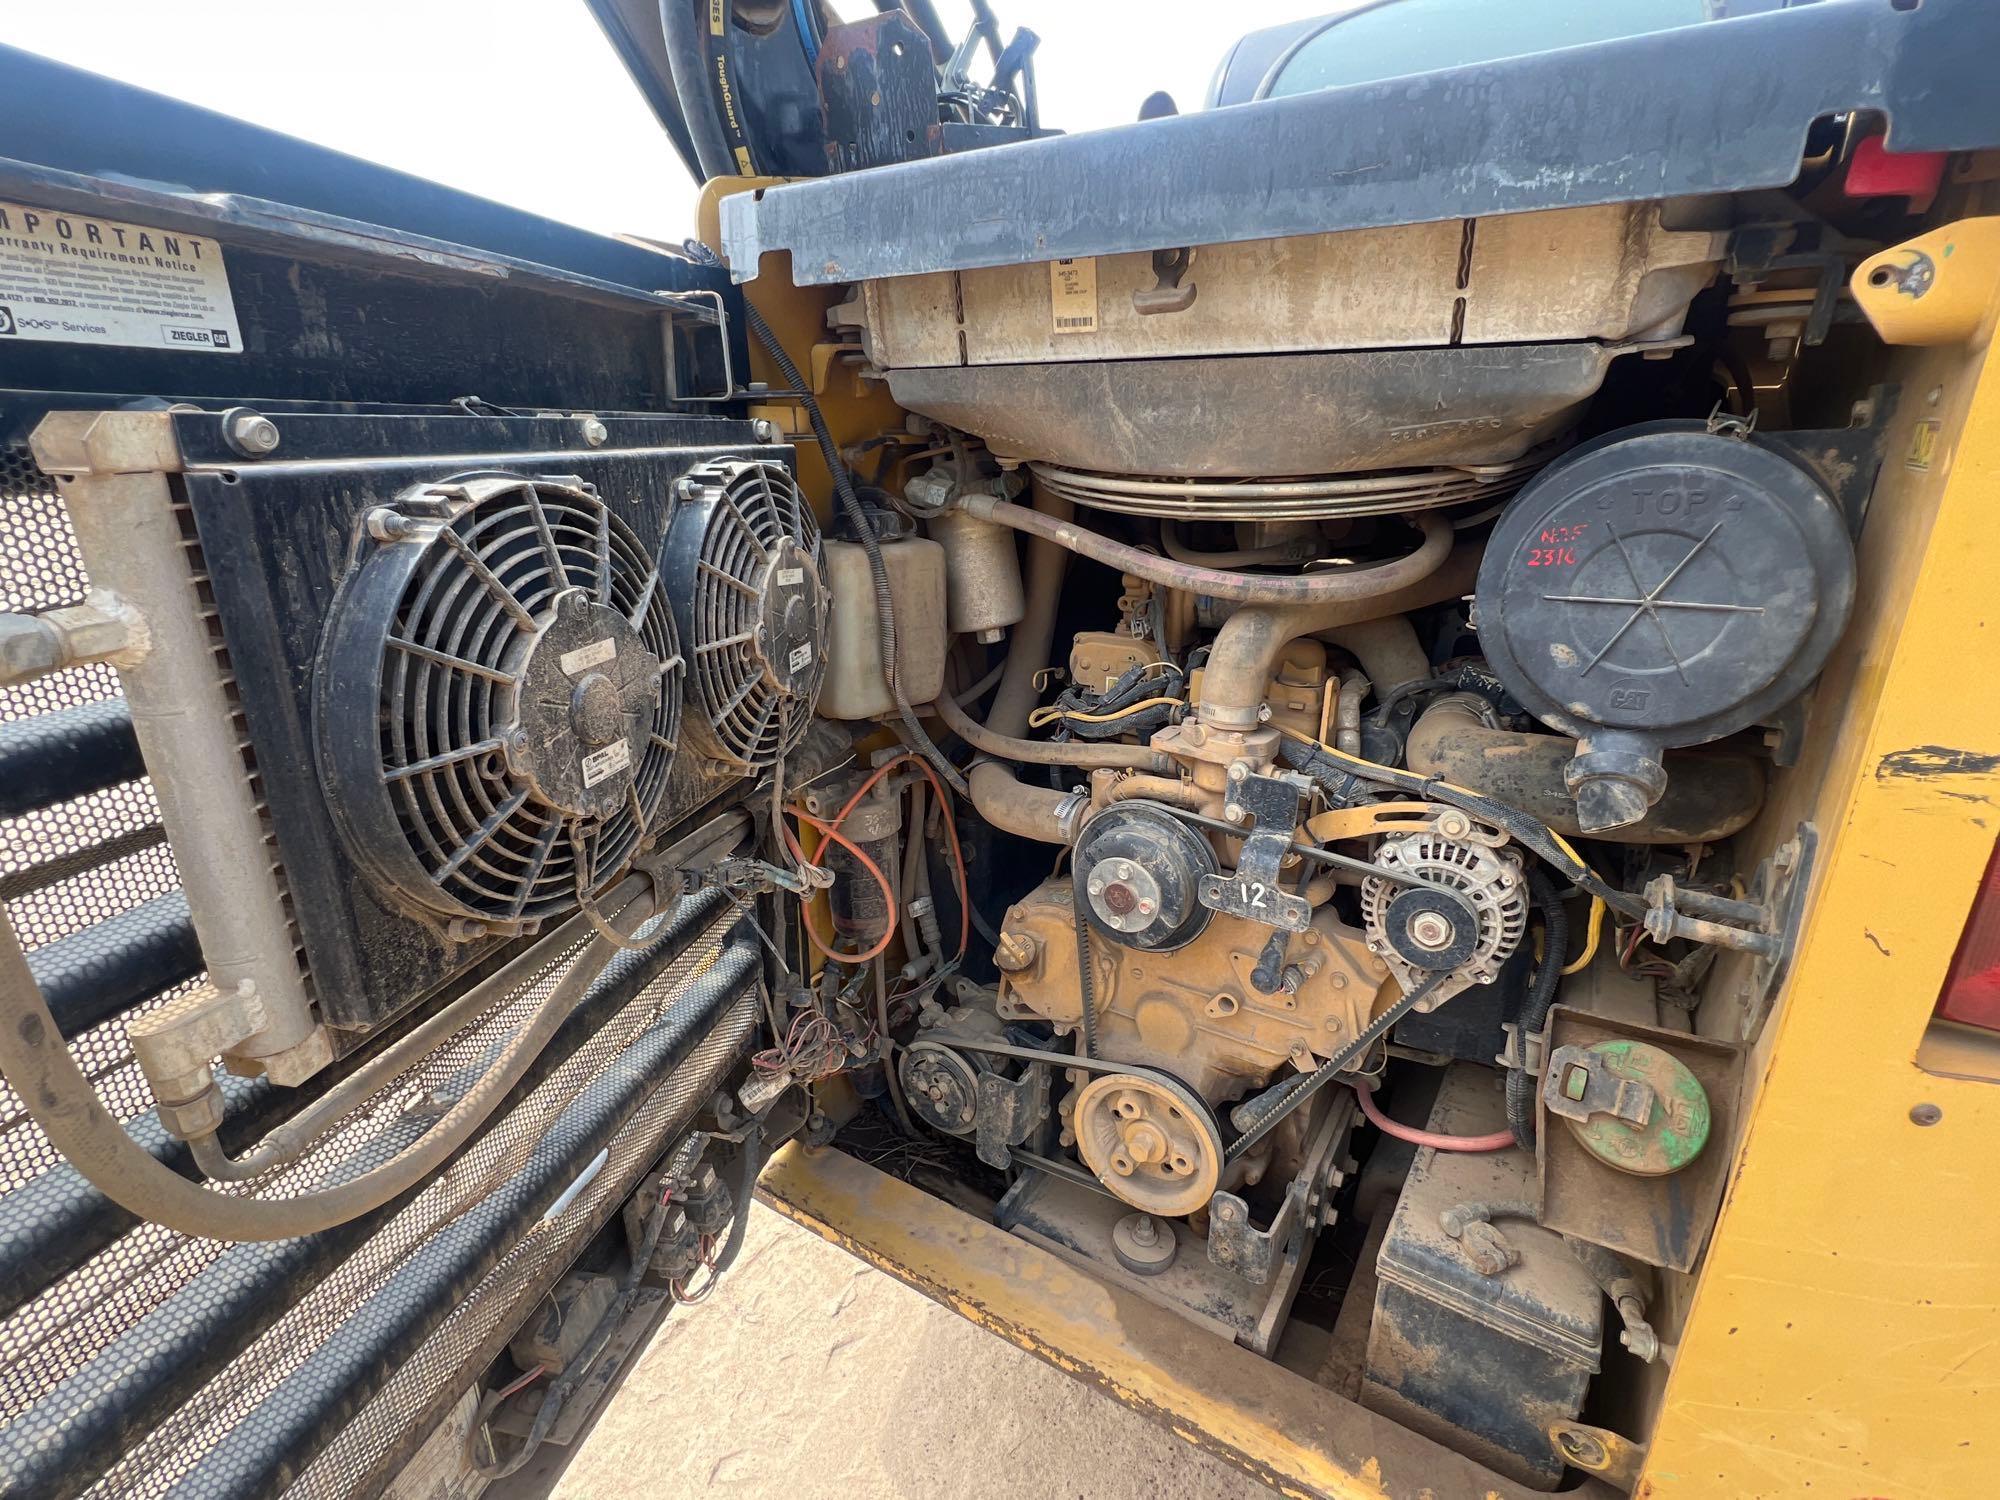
x,y
1253,891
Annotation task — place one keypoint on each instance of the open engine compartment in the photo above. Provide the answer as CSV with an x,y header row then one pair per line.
x,y
1273,751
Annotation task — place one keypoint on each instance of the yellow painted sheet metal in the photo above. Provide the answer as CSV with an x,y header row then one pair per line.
x,y
1844,1337
1301,1437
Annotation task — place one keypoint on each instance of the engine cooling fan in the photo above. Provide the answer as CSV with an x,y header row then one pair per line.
x,y
743,565
499,696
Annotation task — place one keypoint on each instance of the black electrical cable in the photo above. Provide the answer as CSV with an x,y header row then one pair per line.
x,y
871,544
1535,1006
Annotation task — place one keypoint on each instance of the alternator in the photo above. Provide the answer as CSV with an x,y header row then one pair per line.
x,y
1419,932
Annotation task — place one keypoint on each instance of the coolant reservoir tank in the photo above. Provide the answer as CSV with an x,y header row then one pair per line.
x,y
855,686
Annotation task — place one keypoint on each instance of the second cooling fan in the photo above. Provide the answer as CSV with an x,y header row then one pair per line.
x,y
743,566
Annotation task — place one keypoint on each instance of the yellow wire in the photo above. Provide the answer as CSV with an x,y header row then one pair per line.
x,y
1596,931
1370,766
1044,716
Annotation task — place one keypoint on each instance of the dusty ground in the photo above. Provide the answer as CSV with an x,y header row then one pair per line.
x,y
809,1374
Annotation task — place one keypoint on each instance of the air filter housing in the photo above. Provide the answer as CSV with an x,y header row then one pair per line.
x,y
744,568
507,636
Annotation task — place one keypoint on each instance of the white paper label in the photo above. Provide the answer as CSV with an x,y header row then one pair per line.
x,y
77,279
1073,295
609,761
583,658
791,577
802,654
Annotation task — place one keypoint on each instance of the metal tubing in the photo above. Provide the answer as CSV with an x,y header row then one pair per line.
x,y
1250,642
204,1325
131,541
1220,583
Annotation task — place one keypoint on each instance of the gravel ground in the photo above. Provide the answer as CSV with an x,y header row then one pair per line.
x,y
809,1374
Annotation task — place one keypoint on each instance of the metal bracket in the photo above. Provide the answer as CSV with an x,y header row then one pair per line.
x,y
1237,1245
1007,1112
1252,891
1615,1459
1167,295
1578,1086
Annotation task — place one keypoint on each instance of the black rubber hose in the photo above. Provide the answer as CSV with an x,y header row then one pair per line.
x,y
864,528
749,1167
1535,1006
50,758
688,61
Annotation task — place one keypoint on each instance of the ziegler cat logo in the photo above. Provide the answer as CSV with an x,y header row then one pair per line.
x,y
6,319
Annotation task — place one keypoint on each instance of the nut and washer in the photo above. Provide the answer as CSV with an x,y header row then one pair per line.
x,y
249,433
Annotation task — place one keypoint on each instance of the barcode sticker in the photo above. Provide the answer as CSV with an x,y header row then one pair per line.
x,y
609,761
596,654
802,655
790,578
1073,295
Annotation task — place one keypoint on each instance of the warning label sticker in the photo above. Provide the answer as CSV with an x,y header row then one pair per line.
x,y
75,279
1073,295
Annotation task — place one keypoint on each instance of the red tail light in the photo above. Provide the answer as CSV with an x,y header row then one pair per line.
x,y
1972,985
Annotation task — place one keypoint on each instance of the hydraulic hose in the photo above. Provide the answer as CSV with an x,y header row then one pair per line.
x,y
1535,1007
289,1140
63,1101
689,65
871,544
1220,583
1047,752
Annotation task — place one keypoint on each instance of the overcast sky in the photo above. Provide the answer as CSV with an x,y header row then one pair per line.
x,y
524,101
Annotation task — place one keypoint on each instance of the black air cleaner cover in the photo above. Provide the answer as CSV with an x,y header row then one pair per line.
x,y
1666,582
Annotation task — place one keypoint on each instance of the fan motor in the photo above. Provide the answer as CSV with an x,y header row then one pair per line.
x,y
499,696
744,567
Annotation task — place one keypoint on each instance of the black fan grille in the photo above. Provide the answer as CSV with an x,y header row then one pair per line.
x,y
757,510
489,576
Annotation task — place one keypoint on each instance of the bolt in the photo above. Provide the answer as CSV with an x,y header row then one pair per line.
x,y
1147,908
1145,1231
1238,770
1583,1449
386,525
1925,1114
686,487
766,432
1429,930
1234,813
1225,1211
248,432
594,432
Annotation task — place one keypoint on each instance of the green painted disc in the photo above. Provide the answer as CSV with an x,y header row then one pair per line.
x,y
1677,1128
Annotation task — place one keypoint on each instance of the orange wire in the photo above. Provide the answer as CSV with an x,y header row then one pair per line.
x,y
951,828
888,890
